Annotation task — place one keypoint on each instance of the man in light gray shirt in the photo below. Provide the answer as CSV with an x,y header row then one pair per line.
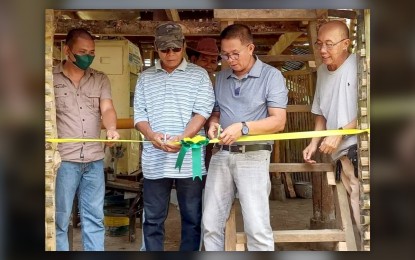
x,y
335,106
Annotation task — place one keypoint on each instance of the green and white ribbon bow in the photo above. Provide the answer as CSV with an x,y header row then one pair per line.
x,y
196,144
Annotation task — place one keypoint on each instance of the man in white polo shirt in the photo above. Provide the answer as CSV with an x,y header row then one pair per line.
x,y
172,101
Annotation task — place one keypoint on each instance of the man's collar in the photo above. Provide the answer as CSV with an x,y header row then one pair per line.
x,y
256,68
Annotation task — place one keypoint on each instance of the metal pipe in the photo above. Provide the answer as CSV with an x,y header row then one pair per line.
x,y
123,123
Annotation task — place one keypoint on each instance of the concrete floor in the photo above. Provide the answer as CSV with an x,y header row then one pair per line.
x,y
286,215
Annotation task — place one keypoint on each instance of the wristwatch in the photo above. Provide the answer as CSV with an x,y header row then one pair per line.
x,y
343,136
245,129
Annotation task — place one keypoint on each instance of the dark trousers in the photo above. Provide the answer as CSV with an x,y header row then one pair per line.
x,y
156,206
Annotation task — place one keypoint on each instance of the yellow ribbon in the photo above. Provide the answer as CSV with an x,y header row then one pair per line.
x,y
297,135
251,138
77,140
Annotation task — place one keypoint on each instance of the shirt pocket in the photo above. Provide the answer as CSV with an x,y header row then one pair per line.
x,y
61,99
92,101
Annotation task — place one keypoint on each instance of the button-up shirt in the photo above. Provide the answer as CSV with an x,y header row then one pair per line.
x,y
78,113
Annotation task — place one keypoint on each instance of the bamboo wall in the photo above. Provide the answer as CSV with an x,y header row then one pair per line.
x,y
363,122
301,92
52,158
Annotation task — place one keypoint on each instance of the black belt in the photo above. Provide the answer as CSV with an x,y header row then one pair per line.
x,y
246,148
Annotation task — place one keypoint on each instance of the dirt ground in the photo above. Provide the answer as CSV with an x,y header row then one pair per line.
x,y
286,215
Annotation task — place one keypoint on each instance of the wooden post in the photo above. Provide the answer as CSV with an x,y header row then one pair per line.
x,y
323,205
277,187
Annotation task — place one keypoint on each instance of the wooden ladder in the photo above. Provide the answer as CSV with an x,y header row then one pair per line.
x,y
343,234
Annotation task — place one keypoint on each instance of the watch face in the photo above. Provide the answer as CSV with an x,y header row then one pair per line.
x,y
245,130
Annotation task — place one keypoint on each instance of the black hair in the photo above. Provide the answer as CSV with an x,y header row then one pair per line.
x,y
237,31
77,33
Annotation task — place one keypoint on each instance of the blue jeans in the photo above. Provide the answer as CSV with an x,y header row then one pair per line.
x,y
89,180
156,207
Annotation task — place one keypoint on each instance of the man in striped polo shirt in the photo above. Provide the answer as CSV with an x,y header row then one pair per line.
x,y
172,100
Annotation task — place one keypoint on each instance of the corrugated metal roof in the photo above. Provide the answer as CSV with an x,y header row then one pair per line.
x,y
295,65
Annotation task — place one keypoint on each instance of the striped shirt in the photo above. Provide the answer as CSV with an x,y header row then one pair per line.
x,y
168,102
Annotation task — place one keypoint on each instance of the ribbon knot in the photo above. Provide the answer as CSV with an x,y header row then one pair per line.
x,y
196,144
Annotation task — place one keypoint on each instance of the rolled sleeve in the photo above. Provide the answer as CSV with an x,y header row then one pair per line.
x,y
140,111
205,98
105,87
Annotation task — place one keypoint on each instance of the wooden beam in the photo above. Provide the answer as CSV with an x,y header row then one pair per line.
x,y
331,180
264,14
66,14
343,215
134,27
284,42
283,57
173,15
240,247
288,185
321,13
349,14
341,246
300,167
298,108
298,72
160,15
190,28
301,236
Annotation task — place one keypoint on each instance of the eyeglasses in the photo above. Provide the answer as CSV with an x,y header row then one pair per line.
x,y
171,49
233,56
329,46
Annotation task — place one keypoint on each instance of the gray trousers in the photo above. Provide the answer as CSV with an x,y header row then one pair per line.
x,y
245,173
